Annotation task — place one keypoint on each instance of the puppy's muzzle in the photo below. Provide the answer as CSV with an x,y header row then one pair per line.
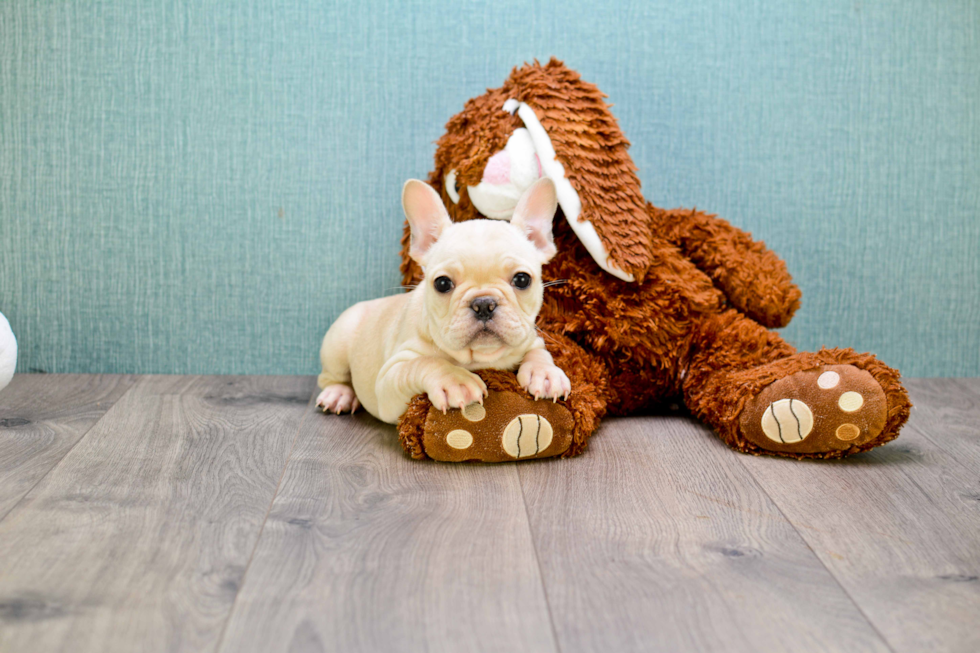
x,y
483,308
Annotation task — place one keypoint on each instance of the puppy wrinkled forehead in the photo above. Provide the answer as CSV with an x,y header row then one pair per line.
x,y
485,243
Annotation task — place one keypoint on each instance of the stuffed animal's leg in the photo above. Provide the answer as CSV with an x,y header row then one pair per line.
x,y
589,398
753,278
764,397
511,425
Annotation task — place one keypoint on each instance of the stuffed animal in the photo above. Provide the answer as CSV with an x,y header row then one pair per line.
x,y
8,352
645,306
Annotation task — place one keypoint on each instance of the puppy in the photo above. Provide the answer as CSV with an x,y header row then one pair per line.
x,y
474,309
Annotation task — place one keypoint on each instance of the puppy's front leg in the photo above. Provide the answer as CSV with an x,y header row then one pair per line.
x,y
448,385
539,375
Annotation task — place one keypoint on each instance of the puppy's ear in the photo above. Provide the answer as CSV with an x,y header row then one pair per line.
x,y
426,215
534,214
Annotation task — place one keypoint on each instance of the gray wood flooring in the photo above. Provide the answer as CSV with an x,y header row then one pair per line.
x,y
167,513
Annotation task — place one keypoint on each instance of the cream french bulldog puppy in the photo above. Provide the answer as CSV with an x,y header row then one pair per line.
x,y
474,310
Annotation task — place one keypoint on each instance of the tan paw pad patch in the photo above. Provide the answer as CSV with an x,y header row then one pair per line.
x,y
850,401
847,432
526,435
828,380
459,439
787,420
475,412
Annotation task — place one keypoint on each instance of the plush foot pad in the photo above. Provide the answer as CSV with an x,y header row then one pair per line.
x,y
506,427
833,407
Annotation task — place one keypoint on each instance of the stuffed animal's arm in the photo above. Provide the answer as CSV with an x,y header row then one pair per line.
x,y
753,278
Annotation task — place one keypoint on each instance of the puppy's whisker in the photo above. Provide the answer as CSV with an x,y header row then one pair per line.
x,y
556,282
548,337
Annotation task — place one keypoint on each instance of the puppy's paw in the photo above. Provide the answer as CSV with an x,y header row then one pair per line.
x,y
456,388
544,380
338,398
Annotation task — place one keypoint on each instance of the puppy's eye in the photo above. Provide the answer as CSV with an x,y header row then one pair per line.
x,y
522,280
443,284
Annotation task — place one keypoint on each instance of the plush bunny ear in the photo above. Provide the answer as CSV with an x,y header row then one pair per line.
x,y
534,214
583,151
426,215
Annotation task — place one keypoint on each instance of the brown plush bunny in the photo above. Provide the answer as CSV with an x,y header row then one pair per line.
x,y
648,305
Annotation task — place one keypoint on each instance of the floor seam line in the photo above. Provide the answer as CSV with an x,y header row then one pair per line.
x,y
265,519
72,448
937,444
806,543
537,561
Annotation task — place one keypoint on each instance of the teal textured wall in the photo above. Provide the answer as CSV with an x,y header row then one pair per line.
x,y
190,187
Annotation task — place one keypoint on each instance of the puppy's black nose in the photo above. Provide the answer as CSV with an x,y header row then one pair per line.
x,y
484,307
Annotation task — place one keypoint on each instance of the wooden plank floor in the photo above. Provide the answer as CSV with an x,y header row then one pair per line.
x,y
225,514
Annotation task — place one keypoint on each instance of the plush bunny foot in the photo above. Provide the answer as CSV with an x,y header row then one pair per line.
x,y
830,408
505,427
337,398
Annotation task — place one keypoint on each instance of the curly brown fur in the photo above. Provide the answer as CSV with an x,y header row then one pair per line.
x,y
758,285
